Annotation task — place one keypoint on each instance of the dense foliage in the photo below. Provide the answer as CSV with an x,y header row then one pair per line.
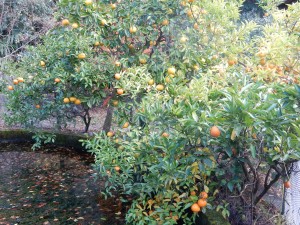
x,y
22,23
204,102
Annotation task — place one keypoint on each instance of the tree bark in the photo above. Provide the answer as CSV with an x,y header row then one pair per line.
x,y
108,119
267,185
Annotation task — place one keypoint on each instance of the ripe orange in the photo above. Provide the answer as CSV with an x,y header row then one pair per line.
x,y
193,193
121,148
103,22
113,6
143,61
203,195
37,106
115,102
287,68
65,22
117,168
66,100
117,76
15,81
189,13
160,87
120,91
287,184
261,54
152,43
215,131
195,208
117,63
81,56
183,39
165,22
20,79
191,1
10,87
75,25
171,71
131,47
88,2
164,134
262,62
77,102
231,62
97,43
110,134
183,3
196,67
126,124
168,79
72,99
151,82
196,26
42,63
56,80
202,202
132,29
272,66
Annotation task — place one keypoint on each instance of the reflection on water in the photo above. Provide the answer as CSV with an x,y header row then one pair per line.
x,y
53,186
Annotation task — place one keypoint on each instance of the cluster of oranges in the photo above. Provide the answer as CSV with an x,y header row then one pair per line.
x,y
15,82
76,101
202,202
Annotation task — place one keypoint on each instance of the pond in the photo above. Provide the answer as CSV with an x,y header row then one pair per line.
x,y
52,186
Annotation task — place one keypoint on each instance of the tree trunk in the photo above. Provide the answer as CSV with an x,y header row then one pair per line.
x,y
108,119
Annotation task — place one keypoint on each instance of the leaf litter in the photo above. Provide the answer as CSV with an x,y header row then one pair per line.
x,y
54,185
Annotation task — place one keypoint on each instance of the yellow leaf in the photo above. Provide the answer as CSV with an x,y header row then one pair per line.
x,y
233,135
206,189
215,192
195,164
150,203
197,176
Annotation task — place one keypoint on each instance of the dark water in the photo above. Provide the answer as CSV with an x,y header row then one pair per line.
x,y
52,186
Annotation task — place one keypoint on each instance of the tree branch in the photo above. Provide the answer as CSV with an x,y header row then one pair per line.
x,y
268,186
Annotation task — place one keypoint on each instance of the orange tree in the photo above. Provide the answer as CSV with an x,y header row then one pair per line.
x,y
165,152
202,103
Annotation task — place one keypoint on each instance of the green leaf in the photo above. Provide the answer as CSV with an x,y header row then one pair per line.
x,y
253,151
195,116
